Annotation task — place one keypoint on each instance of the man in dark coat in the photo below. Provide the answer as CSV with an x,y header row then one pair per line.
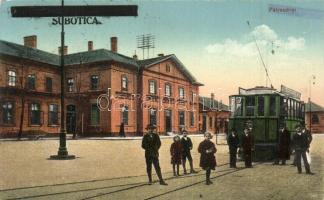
x,y
151,143
301,144
283,152
233,143
207,150
122,130
176,154
247,144
186,147
309,137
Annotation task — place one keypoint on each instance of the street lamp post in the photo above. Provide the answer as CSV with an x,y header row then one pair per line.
x,y
72,11
311,82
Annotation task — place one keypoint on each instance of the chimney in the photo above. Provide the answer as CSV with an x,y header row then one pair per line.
x,y
90,45
65,50
161,54
212,97
30,41
113,43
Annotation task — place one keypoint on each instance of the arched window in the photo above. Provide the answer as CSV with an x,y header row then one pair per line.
x,y
12,78
124,83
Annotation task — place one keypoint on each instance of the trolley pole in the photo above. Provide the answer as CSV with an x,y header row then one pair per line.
x,y
311,82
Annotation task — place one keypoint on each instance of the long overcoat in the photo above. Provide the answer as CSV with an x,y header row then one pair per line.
x,y
284,145
207,160
247,143
186,145
176,152
151,143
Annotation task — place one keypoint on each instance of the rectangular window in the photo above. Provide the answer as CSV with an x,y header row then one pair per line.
x,y
210,122
95,114
192,119
152,87
124,83
31,79
94,82
152,113
35,114
167,68
181,93
49,84
52,114
124,115
250,105
8,112
181,118
260,106
70,84
272,106
167,90
12,78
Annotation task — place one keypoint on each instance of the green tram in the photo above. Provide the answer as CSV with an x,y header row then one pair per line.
x,y
263,109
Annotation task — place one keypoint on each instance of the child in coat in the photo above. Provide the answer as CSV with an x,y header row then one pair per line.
x,y
207,150
176,154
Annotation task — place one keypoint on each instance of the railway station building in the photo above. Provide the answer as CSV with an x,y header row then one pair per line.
x,y
102,89
213,115
314,117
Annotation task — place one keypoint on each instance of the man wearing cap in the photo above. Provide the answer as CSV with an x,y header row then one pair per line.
x,y
186,148
233,142
301,143
151,143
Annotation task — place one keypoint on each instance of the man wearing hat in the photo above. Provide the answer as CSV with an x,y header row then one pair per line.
x,y
186,148
283,149
247,144
301,143
151,143
233,143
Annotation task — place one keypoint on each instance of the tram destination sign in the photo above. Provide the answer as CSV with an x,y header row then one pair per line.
x,y
290,92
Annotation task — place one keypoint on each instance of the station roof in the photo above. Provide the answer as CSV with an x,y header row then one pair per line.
x,y
314,107
208,103
21,51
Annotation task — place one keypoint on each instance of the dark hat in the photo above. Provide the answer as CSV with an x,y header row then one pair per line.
x,y
184,131
150,127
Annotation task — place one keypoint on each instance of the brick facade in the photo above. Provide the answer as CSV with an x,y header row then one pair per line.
x,y
119,82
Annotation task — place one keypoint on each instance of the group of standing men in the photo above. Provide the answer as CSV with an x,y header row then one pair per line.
x,y
300,144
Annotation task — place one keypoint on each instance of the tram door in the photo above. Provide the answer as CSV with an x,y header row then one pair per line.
x,y
168,120
70,119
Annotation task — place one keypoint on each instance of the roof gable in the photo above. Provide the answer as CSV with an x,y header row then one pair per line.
x,y
147,63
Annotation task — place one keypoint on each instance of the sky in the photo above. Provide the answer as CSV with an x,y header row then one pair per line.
x,y
211,38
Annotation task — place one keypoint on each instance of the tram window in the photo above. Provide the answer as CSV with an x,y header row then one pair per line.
x,y
260,106
232,106
272,106
283,106
238,106
298,110
289,107
294,108
250,105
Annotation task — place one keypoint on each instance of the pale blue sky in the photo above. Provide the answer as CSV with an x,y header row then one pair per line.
x,y
192,30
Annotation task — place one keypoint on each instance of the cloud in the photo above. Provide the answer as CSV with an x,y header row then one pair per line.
x,y
264,36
